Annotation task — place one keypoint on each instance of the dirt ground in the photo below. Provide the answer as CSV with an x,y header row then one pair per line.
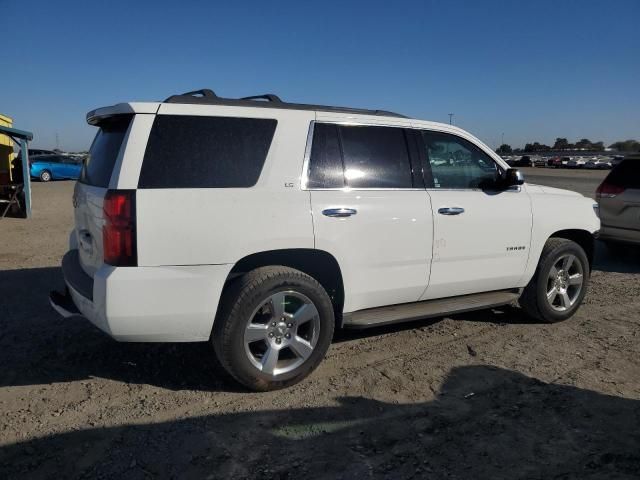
x,y
478,395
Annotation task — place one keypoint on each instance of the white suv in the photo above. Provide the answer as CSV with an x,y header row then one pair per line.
x,y
261,226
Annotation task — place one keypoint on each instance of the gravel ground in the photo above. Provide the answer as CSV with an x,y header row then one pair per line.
x,y
479,395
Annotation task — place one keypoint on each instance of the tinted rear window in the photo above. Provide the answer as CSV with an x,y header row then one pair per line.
x,y
205,152
626,174
325,165
375,157
359,157
103,153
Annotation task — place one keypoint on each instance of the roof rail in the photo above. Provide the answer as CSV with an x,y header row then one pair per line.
x,y
206,96
270,97
203,93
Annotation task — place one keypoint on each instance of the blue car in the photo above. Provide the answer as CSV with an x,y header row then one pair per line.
x,y
53,167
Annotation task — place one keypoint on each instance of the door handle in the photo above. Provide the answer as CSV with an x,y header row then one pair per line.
x,y
339,212
450,210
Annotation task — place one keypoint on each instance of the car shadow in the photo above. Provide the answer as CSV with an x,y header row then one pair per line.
x,y
621,259
485,423
37,346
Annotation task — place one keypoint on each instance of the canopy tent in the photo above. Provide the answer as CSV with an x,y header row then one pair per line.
x,y
22,138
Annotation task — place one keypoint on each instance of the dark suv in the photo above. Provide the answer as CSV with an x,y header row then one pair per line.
x,y
619,201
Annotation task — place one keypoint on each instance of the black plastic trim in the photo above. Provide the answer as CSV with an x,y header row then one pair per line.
x,y
427,173
75,276
64,301
415,159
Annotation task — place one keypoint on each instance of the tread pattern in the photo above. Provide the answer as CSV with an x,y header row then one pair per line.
x,y
235,297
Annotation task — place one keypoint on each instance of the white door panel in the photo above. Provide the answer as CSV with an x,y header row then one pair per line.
x,y
481,249
384,250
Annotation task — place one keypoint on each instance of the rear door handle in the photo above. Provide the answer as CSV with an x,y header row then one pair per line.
x,y
450,210
339,212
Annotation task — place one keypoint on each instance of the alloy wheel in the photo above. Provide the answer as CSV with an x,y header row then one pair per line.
x,y
282,332
565,282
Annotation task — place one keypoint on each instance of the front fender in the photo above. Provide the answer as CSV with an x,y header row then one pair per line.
x,y
554,211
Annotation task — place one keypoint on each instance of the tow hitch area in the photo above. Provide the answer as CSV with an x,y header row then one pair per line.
x,y
63,304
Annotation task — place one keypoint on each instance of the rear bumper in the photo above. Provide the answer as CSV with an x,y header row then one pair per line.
x,y
144,304
625,235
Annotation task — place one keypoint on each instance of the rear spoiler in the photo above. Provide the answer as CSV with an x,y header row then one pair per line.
x,y
95,116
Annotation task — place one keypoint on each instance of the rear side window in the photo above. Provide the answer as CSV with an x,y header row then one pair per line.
x,y
359,157
205,152
325,164
104,150
375,157
626,174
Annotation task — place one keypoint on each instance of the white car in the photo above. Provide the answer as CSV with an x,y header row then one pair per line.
x,y
261,226
598,164
576,162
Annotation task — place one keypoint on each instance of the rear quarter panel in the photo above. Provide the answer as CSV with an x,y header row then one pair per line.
x,y
205,226
35,169
621,211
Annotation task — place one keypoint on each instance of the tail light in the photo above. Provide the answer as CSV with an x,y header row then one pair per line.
x,y
608,190
119,231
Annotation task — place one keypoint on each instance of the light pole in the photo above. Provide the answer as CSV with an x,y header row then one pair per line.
x,y
502,142
451,119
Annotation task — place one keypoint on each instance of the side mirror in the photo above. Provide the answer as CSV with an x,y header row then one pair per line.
x,y
512,178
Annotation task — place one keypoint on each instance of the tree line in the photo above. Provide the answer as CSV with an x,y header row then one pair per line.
x,y
563,144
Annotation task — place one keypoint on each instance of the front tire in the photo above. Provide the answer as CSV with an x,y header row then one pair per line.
x,y
559,284
274,327
45,176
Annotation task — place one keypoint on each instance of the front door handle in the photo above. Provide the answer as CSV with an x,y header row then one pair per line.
x,y
339,212
450,210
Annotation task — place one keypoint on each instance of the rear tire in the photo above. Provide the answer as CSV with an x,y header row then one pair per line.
x,y
45,176
274,327
559,284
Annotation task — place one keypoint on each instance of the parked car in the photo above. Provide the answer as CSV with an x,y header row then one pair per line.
x,y
39,151
575,162
617,160
598,164
54,167
524,161
618,199
261,226
540,162
33,152
558,162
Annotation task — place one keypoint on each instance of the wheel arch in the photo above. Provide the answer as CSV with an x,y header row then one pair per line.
x,y
584,238
318,264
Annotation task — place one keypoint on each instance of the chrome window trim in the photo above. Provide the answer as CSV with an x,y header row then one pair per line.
x,y
514,189
350,189
307,156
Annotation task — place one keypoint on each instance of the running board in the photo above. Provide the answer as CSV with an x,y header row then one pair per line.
x,y
374,317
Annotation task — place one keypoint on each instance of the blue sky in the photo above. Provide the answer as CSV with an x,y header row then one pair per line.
x,y
531,70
